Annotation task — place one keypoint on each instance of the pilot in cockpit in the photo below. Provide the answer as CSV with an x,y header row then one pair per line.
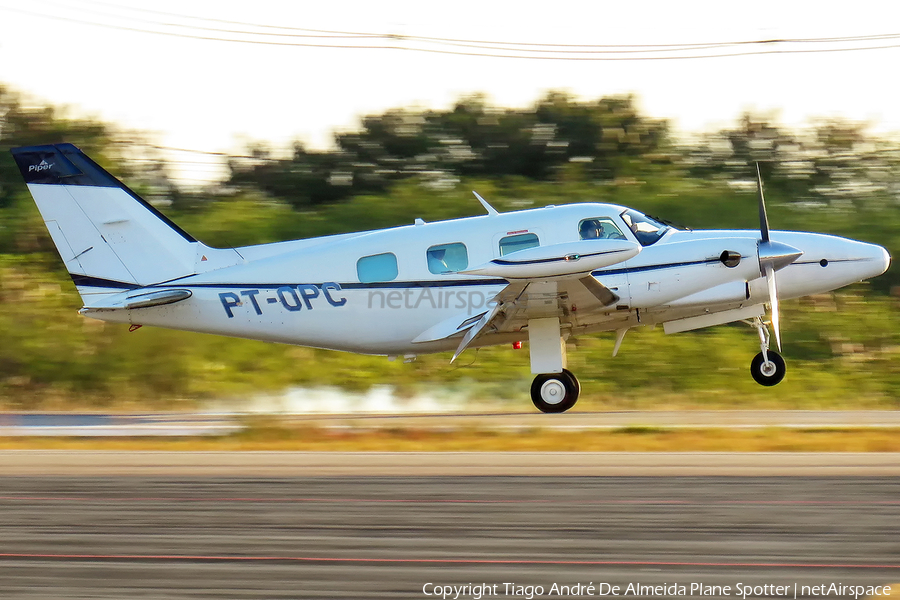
x,y
599,229
591,230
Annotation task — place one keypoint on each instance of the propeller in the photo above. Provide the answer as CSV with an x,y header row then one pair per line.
x,y
772,256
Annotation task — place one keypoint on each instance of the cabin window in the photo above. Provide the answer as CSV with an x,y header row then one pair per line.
x,y
378,267
514,243
447,258
601,228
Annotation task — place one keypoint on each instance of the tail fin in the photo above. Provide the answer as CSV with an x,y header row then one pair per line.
x,y
109,237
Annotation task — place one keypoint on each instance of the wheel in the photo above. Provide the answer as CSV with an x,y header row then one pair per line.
x,y
768,373
555,392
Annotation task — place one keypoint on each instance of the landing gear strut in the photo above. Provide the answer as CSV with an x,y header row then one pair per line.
x,y
555,392
767,367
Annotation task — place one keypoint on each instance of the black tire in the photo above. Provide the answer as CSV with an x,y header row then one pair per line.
x,y
555,392
575,380
768,376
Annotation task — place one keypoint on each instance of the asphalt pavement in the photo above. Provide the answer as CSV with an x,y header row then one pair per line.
x,y
336,535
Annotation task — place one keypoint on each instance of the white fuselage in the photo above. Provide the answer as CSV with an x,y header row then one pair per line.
x,y
315,293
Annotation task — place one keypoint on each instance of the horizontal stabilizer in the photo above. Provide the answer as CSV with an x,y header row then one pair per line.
x,y
131,300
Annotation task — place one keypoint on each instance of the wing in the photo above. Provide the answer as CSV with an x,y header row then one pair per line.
x,y
546,281
523,300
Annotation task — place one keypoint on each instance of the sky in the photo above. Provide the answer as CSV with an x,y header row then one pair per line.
x,y
164,67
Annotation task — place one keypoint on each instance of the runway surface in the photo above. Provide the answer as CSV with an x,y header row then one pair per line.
x,y
115,425
199,424
430,464
352,536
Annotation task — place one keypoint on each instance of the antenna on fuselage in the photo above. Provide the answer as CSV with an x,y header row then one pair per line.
x,y
490,209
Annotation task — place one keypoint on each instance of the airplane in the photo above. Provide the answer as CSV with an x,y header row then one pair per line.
x,y
542,275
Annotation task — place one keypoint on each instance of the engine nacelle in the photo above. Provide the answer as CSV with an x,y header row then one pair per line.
x,y
693,272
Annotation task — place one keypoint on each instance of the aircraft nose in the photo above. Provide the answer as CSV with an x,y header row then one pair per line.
x,y
878,260
885,259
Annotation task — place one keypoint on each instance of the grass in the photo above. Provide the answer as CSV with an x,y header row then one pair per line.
x,y
271,435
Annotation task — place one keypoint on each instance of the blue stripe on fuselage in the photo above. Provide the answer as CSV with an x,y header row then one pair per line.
x,y
97,282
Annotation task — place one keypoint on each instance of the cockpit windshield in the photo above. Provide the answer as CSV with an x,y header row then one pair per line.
x,y
646,230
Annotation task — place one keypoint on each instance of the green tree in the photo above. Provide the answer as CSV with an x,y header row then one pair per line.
x,y
23,125
472,139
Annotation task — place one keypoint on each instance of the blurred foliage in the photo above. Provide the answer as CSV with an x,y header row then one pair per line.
x,y
836,178
471,139
129,154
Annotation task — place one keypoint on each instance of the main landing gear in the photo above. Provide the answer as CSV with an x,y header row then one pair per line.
x,y
767,367
555,389
555,392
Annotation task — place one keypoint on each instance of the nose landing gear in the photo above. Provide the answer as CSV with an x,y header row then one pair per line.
x,y
767,367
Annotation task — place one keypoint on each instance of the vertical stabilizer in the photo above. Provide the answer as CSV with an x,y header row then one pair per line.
x,y
109,237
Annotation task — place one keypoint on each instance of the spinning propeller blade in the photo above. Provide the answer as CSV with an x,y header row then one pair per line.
x,y
772,256
773,301
769,269
763,217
